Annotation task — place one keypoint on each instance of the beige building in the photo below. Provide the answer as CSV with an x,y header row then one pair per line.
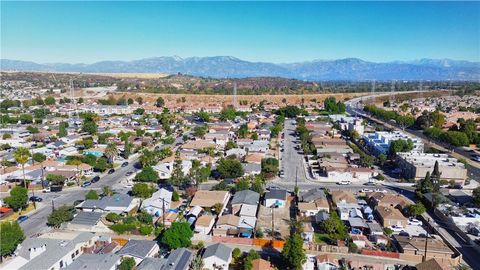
x,y
389,216
436,248
415,165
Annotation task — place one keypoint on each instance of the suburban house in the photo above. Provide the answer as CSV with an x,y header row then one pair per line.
x,y
244,197
384,199
51,251
204,224
261,264
342,197
207,198
436,248
227,225
139,249
276,198
117,203
108,261
389,216
217,257
179,259
157,202
88,222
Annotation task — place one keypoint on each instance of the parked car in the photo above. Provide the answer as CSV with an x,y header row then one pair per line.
x,y
397,228
416,222
344,182
77,202
125,164
35,199
111,171
21,219
46,190
365,190
129,173
86,184
95,179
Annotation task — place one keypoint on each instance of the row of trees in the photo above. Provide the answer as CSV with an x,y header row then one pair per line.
x,y
403,121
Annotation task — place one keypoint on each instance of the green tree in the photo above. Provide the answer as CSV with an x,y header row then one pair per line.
x,y
269,167
55,179
230,145
113,217
160,102
147,174
18,198
248,262
228,113
242,131
22,155
127,263
101,165
230,168
145,217
200,131
203,116
62,129
142,190
50,100
148,158
236,253
242,184
400,145
258,185
292,253
91,195
111,151
178,235
414,210
89,126
11,234
426,185
436,177
60,215
382,159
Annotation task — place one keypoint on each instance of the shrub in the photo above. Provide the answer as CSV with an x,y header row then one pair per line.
x,y
146,230
175,196
145,217
112,217
122,228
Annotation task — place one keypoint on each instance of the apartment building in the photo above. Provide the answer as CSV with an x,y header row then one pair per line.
x,y
379,142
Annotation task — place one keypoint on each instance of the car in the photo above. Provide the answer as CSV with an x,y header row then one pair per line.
x,y
414,221
125,164
129,173
397,228
35,199
111,171
21,219
365,190
95,179
370,184
475,158
46,190
404,233
86,184
344,182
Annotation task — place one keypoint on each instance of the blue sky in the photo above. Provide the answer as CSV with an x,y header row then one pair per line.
x,y
276,32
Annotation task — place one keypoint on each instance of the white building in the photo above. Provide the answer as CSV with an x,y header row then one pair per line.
x,y
156,203
217,257
379,142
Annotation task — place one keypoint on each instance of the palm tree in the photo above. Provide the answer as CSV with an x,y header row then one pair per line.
x,y
21,156
40,158
77,163
111,152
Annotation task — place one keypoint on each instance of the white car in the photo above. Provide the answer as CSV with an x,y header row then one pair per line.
x,y
46,190
365,190
415,222
344,182
397,228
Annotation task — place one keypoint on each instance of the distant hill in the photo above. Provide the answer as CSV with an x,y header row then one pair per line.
x,y
231,67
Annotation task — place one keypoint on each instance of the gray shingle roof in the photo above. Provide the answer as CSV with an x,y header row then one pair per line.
x,y
279,194
152,264
117,200
137,248
312,195
87,218
246,197
55,250
218,250
179,259
94,262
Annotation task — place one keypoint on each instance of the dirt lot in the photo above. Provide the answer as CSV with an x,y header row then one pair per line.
x,y
225,100
281,216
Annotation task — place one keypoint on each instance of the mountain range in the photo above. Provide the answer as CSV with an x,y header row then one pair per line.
x,y
231,67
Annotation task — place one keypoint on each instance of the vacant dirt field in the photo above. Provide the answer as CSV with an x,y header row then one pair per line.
x,y
281,216
225,100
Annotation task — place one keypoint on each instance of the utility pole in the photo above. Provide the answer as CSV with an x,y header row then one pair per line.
x,y
426,243
163,212
273,222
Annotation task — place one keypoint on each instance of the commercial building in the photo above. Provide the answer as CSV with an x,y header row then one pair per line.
x,y
415,165
379,142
